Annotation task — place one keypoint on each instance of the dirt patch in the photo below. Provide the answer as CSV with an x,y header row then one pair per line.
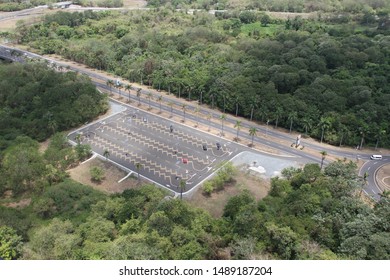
x,y
113,175
134,3
7,200
287,15
215,203
44,145
19,204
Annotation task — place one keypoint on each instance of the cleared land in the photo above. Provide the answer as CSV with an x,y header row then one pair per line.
x,y
112,175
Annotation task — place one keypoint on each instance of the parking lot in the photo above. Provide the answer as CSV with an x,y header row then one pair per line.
x,y
164,152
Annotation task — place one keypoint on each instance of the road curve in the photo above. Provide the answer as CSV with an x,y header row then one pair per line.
x,y
371,188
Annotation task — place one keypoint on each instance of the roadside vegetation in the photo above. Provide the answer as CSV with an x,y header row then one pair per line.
x,y
295,6
17,5
326,77
311,213
37,102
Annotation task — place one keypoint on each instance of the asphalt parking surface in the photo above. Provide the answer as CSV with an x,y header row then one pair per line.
x,y
166,152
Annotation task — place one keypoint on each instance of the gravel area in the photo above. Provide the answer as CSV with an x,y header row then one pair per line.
x,y
265,166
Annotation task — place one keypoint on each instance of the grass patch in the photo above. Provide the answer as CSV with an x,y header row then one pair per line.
x,y
215,202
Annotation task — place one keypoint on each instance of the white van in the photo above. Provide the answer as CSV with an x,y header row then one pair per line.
x,y
376,157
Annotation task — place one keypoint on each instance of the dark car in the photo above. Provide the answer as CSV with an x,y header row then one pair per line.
x,y
204,147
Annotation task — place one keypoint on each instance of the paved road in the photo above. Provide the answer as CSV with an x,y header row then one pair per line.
x,y
372,167
167,151
371,188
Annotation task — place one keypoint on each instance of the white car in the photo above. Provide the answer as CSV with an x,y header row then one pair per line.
x,y
376,157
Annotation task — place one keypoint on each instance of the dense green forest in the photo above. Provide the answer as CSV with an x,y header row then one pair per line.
x,y
327,75
310,215
36,101
16,5
297,6
323,77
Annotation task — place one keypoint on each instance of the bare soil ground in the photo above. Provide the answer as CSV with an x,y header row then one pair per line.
x,y
134,3
287,15
19,204
215,203
7,200
113,174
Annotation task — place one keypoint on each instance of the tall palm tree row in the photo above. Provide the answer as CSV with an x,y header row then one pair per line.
x,y
252,133
238,126
223,118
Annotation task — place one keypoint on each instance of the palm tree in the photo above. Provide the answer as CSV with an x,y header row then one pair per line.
x,y
237,102
150,97
170,104
189,93
252,132
138,167
209,119
343,130
139,96
363,131
128,88
182,186
292,116
278,113
179,91
184,107
106,154
306,123
110,84
159,99
224,100
223,118
252,108
379,135
212,95
119,87
238,126
52,124
253,105
324,124
323,156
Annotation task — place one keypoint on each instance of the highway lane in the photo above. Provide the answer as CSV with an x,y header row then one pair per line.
x,y
371,187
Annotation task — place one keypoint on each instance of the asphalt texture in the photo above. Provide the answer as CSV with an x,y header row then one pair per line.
x,y
165,152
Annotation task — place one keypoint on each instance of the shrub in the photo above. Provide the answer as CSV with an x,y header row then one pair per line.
x,y
208,188
97,174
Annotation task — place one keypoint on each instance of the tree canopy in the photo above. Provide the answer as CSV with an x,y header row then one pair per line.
x,y
314,214
37,101
320,76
